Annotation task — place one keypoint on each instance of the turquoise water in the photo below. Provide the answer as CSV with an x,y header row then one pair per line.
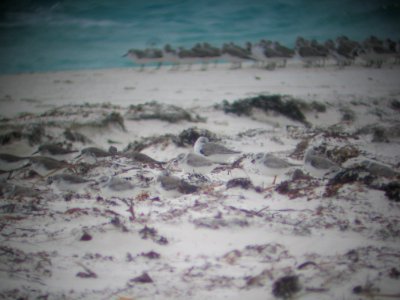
x,y
77,34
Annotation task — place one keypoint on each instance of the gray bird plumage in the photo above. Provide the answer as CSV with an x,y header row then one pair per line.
x,y
206,148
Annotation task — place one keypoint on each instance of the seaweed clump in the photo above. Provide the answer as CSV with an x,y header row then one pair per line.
x,y
291,108
286,286
154,110
190,135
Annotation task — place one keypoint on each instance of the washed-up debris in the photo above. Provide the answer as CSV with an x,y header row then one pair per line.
x,y
392,191
369,173
151,233
381,133
160,111
31,266
146,142
395,104
113,119
169,183
33,132
286,106
151,255
87,273
218,222
302,186
300,149
75,136
86,237
341,154
144,278
348,115
189,136
9,137
243,183
286,286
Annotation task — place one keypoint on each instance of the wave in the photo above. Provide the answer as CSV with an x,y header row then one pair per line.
x,y
51,26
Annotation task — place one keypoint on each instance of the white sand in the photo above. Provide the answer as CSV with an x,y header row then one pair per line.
x,y
200,262
192,88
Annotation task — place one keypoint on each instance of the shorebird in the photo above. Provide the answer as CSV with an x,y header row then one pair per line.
x,y
68,182
206,53
142,57
187,57
169,55
343,50
142,158
195,163
270,54
91,154
10,190
117,184
272,165
9,162
311,53
54,150
45,166
213,151
235,54
320,164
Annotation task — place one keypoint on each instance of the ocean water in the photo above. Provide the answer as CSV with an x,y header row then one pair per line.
x,y
48,35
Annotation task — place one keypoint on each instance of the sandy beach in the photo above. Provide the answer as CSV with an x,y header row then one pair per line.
x,y
247,232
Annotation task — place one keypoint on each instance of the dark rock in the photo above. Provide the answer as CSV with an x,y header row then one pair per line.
x,y
285,287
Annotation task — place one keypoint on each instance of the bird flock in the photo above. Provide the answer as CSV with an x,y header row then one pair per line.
x,y
371,52
63,168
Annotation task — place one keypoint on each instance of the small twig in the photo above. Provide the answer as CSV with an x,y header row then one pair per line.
x,y
131,210
89,273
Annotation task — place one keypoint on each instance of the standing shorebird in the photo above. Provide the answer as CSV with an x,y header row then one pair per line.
x,y
235,54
